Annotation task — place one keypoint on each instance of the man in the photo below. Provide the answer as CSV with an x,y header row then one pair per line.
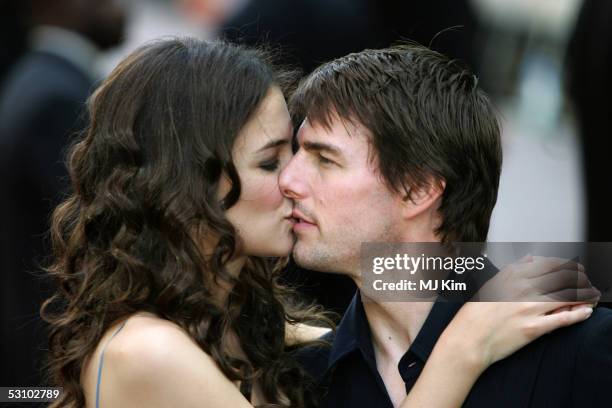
x,y
41,106
400,145
312,31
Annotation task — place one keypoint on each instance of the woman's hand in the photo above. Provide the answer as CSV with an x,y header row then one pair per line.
x,y
485,332
539,279
544,294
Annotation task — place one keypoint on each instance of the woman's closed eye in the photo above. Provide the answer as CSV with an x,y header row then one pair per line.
x,y
270,165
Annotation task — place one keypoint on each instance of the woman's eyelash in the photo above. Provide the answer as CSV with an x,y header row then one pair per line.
x,y
271,165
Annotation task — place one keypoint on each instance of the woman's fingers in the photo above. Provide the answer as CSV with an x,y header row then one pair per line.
x,y
560,279
583,295
572,307
535,309
540,279
553,321
562,309
564,286
528,299
497,329
542,265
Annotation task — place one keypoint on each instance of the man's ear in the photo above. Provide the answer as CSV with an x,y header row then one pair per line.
x,y
424,198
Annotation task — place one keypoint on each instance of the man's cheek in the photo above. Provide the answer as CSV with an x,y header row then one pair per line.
x,y
341,223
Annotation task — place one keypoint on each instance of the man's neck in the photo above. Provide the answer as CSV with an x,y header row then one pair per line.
x,y
394,326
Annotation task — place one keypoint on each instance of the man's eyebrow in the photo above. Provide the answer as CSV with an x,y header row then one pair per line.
x,y
321,147
273,143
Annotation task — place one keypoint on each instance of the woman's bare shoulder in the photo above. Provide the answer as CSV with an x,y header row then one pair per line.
x,y
150,340
153,362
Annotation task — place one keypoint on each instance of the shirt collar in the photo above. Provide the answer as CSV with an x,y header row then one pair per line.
x,y
445,309
353,332
438,318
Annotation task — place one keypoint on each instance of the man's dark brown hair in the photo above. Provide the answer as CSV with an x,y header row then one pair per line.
x,y
429,121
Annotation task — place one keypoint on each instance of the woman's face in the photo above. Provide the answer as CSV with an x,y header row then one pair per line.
x,y
262,215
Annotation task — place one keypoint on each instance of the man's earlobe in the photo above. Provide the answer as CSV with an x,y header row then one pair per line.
x,y
420,199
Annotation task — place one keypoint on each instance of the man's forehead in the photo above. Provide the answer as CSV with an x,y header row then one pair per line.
x,y
338,132
347,139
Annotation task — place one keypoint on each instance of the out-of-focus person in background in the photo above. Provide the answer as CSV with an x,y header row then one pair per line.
x,y
310,32
12,34
589,85
41,104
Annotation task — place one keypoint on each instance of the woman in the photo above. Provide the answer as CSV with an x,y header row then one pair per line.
x,y
165,297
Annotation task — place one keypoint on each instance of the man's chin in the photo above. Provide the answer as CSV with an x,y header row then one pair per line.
x,y
309,258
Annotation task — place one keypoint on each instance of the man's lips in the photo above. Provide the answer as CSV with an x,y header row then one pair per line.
x,y
297,214
301,221
291,220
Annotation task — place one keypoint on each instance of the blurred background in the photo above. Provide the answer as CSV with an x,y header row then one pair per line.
x,y
545,63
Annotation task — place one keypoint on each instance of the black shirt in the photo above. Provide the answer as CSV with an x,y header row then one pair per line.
x,y
571,367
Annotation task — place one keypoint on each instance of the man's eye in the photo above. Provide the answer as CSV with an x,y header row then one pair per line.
x,y
271,165
324,160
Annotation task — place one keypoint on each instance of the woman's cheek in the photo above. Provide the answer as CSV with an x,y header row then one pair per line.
x,y
267,196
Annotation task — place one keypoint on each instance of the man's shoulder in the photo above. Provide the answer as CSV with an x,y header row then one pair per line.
x,y
580,357
600,320
569,367
580,353
595,331
595,342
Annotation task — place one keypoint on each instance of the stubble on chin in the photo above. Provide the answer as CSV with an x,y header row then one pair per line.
x,y
322,258
312,256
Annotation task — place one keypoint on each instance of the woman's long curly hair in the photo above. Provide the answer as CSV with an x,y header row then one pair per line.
x,y
145,176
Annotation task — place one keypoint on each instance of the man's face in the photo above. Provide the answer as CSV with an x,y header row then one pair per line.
x,y
340,197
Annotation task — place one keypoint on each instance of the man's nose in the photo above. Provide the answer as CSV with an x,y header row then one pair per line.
x,y
289,180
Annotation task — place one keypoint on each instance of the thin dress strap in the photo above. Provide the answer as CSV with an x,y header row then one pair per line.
x,y
101,364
